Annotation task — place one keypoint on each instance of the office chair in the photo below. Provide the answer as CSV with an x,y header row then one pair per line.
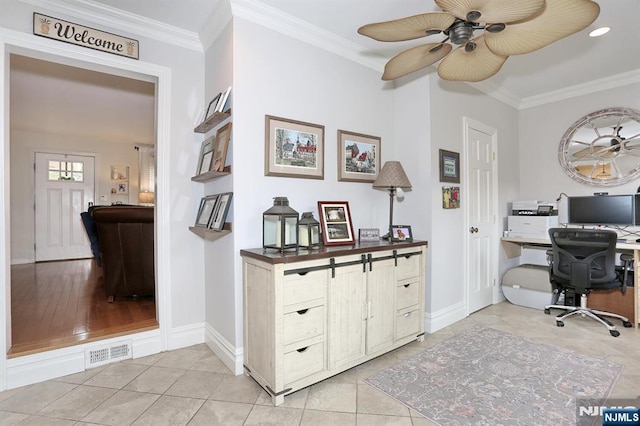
x,y
582,260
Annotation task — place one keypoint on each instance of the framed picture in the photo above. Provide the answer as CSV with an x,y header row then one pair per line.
x,y
335,220
207,206
368,234
206,155
220,213
223,136
449,166
212,106
122,188
401,233
293,148
358,157
450,197
119,172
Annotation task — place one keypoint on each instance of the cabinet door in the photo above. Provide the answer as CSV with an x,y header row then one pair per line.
x,y
347,314
381,291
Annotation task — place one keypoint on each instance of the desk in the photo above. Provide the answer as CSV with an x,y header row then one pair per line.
x,y
513,248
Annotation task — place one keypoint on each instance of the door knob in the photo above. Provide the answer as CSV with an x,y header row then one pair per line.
x,y
473,230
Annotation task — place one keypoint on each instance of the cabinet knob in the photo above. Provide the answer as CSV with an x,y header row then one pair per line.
x,y
408,314
302,311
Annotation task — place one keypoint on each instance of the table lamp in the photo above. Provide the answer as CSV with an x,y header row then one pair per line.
x,y
146,198
391,177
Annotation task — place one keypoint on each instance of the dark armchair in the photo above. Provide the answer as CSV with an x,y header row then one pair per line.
x,y
126,239
581,261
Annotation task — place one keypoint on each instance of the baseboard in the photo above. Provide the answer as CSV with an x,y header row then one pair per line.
x,y
29,369
438,320
188,335
228,354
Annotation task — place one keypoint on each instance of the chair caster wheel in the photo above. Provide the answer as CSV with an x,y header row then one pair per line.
x,y
547,311
627,324
559,323
614,333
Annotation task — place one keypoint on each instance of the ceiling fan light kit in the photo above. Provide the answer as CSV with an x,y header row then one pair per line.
x,y
486,33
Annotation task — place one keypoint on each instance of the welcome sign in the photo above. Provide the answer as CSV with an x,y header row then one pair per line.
x,y
57,29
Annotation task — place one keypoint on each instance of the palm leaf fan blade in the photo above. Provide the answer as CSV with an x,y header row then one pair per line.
x,y
477,65
409,28
559,19
492,10
414,59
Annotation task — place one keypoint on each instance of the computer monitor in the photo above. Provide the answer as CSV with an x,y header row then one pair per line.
x,y
603,210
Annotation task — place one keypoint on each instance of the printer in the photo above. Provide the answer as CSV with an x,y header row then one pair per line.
x,y
532,219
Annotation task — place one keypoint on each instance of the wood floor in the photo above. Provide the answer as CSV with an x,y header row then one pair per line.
x,y
61,304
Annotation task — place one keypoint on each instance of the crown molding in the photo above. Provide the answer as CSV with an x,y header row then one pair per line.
x,y
112,18
215,23
618,80
272,18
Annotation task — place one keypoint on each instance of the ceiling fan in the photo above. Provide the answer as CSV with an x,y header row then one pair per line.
x,y
509,27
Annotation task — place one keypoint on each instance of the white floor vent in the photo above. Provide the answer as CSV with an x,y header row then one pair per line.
x,y
97,356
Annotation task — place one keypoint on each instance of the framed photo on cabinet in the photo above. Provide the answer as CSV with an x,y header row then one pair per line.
x,y
335,221
358,157
293,148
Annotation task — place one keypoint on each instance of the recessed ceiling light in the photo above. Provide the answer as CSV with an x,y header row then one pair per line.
x,y
599,31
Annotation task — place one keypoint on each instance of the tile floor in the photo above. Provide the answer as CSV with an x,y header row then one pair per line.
x,y
191,386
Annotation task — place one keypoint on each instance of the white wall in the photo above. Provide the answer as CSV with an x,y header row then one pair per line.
x,y
542,128
450,102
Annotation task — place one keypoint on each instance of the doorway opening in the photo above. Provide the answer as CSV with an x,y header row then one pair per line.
x,y
84,113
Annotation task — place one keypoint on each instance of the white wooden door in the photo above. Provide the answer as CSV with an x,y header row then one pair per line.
x,y
481,214
381,290
64,186
347,315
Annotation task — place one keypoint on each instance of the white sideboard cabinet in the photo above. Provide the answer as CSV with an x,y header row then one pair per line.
x,y
309,315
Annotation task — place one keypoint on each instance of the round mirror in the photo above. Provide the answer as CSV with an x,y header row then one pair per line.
x,y
603,148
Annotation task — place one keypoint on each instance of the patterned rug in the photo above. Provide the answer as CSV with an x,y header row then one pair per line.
x,y
483,376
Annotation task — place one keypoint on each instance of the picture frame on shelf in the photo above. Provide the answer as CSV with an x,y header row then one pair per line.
x,y
119,172
205,212
449,166
211,109
223,136
221,210
206,155
222,101
335,221
293,148
358,157
401,233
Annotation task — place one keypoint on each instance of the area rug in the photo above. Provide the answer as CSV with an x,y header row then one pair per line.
x,y
483,376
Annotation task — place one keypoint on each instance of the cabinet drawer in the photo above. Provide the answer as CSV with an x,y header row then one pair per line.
x,y
408,267
303,324
303,288
303,362
408,323
407,295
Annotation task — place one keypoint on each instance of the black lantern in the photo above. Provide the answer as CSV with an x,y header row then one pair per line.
x,y
308,231
280,226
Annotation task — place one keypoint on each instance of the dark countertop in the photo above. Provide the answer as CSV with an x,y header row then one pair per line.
x,y
272,256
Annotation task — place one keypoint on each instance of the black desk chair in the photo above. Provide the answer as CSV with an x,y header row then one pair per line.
x,y
583,260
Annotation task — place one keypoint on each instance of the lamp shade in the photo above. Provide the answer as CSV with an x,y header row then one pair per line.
x,y
146,197
392,175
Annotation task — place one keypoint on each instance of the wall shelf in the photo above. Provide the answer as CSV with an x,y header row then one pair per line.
x,y
211,122
205,177
209,234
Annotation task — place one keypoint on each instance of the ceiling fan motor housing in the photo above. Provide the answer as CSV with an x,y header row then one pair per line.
x,y
460,32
